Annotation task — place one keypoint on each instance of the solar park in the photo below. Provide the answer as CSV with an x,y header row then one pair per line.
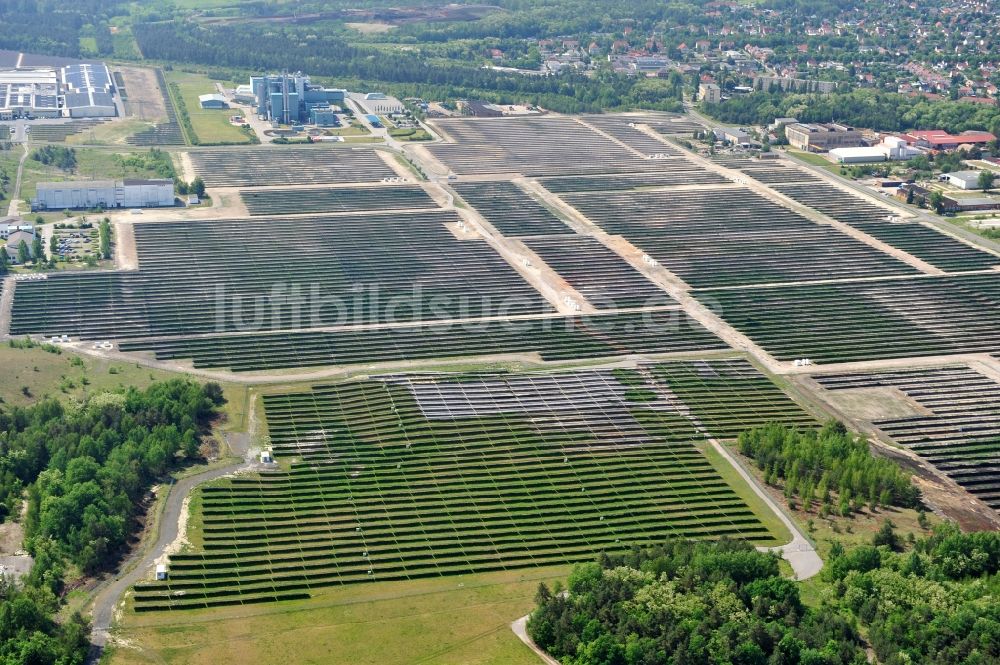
x,y
959,432
403,477
418,457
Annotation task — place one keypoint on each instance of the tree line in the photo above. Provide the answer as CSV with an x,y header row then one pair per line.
x,y
688,602
288,47
83,470
882,111
59,156
828,467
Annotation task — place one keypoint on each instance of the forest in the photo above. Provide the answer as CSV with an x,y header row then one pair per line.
x,y
881,111
695,602
688,602
253,47
84,470
827,466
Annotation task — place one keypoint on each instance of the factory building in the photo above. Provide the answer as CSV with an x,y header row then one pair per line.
x,y
87,194
963,179
82,90
289,98
938,139
29,93
820,137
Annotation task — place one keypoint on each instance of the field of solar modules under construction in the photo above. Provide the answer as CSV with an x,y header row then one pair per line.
x,y
522,351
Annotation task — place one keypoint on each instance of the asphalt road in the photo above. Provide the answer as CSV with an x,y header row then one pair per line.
x,y
137,567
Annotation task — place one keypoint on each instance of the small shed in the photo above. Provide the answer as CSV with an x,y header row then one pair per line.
x,y
161,571
265,457
213,101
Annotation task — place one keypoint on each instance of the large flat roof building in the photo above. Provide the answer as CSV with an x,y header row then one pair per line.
x,y
820,137
87,194
82,90
377,103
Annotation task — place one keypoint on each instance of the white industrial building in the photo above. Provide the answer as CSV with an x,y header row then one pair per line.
x,y
213,101
377,103
964,179
106,194
892,148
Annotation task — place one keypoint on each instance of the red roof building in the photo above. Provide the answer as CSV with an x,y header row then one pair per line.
x,y
938,139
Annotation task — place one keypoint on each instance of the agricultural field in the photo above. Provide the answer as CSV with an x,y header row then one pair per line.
x,y
548,339
959,429
269,202
718,237
272,273
858,321
405,477
510,209
454,620
255,167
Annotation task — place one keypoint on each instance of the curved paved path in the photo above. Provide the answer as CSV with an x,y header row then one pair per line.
x,y
137,567
520,628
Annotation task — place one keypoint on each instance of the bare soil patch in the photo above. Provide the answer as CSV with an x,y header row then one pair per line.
x,y
145,101
873,404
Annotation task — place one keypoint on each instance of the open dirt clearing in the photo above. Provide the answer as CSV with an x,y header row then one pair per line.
x,y
145,101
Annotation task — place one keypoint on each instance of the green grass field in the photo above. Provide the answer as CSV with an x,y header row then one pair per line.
x,y
816,160
461,620
69,376
8,168
109,133
211,126
91,164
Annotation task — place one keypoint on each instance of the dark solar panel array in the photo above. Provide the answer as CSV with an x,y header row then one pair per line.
x,y
281,273
959,434
278,165
849,322
732,236
510,209
605,279
536,146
